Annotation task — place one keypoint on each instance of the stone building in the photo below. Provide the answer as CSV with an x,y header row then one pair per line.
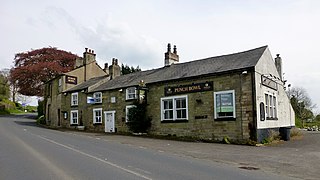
x,y
85,69
240,96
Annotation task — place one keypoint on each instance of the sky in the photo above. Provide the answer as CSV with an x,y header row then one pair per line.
x,y
137,31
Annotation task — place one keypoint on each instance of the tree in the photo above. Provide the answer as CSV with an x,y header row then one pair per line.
x,y
301,103
33,68
125,69
4,87
138,122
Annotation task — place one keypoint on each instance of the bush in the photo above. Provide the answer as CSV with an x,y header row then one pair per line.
x,y
272,136
40,108
41,120
295,132
137,120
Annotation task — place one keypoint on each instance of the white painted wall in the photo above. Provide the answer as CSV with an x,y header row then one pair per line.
x,y
285,111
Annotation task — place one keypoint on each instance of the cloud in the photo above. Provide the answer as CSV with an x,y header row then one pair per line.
x,y
110,38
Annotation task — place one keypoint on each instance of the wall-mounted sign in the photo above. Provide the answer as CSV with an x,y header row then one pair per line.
x,y
190,88
269,83
71,79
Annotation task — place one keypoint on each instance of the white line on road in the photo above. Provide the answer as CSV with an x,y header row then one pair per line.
x,y
96,158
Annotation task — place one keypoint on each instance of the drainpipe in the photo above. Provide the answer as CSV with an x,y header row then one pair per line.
x,y
253,85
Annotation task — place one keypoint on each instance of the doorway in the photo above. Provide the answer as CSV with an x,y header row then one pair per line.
x,y
109,118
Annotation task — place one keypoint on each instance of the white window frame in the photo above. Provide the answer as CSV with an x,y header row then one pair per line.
x,y
270,105
74,102
127,111
97,99
128,93
174,108
71,117
95,116
60,82
233,101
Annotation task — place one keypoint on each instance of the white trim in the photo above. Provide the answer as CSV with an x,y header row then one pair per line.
x,y
233,99
105,119
95,98
94,115
71,117
174,107
127,93
271,105
74,102
127,111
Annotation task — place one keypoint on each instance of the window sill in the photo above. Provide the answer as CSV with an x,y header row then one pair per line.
x,y
74,105
225,119
74,124
97,123
131,99
174,121
269,118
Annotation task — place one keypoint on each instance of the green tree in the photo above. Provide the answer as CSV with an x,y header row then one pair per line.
x,y
4,87
138,122
125,69
301,104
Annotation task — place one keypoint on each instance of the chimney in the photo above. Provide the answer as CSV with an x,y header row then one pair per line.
x,y
278,63
106,68
89,56
114,69
169,57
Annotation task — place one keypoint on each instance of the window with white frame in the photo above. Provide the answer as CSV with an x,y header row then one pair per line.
x,y
174,108
128,110
131,93
73,117
271,106
74,99
97,96
97,116
224,104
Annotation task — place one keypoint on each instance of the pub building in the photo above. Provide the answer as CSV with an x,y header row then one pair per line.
x,y
240,96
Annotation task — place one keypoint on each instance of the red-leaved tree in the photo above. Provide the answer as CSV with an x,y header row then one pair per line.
x,y
33,68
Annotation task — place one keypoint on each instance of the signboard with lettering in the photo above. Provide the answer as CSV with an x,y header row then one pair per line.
x,y
190,88
269,83
71,79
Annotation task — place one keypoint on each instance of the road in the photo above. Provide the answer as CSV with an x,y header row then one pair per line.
x,y
31,152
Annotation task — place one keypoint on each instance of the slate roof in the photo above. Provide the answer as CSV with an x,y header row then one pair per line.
x,y
200,67
86,84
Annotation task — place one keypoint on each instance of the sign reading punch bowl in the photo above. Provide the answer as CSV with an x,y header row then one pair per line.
x,y
190,88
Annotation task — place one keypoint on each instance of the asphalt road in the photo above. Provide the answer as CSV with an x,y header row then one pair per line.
x,y
31,152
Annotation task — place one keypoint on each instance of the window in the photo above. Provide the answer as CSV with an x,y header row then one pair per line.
x,y
174,108
73,117
127,111
97,96
97,116
224,104
59,82
131,93
74,99
262,112
271,106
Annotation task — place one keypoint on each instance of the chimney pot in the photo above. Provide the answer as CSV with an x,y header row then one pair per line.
x,y
169,47
175,49
92,51
278,55
86,49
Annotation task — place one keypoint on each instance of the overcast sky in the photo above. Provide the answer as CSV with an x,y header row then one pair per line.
x,y
137,31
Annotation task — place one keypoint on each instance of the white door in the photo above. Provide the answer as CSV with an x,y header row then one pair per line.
x,y
109,121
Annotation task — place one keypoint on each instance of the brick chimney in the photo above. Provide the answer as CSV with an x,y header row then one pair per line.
x,y
169,57
278,63
114,69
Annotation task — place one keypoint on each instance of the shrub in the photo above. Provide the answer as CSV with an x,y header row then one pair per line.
x,y
137,120
41,120
272,136
40,108
295,132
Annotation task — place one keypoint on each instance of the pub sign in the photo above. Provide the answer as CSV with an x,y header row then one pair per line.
x,y
190,88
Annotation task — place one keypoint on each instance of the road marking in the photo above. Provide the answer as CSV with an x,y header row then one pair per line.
x,y
96,158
